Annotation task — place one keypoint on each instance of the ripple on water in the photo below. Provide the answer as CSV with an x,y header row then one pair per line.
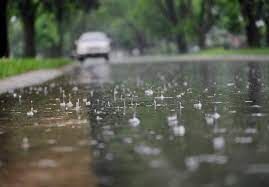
x,y
147,150
243,140
193,163
63,149
46,163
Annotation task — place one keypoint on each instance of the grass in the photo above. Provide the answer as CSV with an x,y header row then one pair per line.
x,y
10,67
244,51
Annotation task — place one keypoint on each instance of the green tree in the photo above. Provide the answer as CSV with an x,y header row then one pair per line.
x,y
27,11
178,14
229,16
251,10
205,21
120,19
63,10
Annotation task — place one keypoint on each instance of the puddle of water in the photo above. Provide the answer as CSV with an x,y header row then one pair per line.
x,y
222,107
50,146
185,124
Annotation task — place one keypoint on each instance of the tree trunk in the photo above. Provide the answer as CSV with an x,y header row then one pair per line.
x,y
28,13
181,44
141,41
202,39
205,22
266,19
59,19
29,36
249,12
61,41
253,35
176,14
170,11
4,48
267,33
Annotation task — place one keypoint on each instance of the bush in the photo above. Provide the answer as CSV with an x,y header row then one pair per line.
x,y
9,67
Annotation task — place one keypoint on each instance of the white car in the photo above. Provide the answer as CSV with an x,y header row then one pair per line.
x,y
93,44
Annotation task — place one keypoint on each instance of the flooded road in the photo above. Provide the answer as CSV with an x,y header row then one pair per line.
x,y
176,124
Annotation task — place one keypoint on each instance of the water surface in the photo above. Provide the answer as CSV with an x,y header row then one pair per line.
x,y
223,141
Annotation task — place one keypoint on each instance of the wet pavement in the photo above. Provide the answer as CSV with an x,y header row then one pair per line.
x,y
138,125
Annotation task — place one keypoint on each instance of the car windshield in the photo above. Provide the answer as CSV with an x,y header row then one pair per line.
x,y
93,37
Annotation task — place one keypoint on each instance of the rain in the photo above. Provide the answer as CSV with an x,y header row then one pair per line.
x,y
147,126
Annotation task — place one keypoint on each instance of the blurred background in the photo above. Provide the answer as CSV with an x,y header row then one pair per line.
x,y
48,28
163,108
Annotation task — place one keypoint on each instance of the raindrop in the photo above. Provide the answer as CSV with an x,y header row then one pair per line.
x,y
51,141
75,89
198,105
32,111
159,137
69,104
160,97
244,140
251,131
124,107
218,143
146,150
25,143
149,92
46,163
258,114
179,130
215,115
192,163
77,106
209,119
134,121
63,103
98,118
128,140
155,104
109,156
172,120
88,103
19,98
230,84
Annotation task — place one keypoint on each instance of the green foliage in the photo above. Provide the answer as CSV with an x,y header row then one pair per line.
x,y
244,51
47,35
229,16
142,24
9,67
15,37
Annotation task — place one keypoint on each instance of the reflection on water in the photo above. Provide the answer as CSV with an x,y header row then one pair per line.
x,y
254,78
231,150
50,147
96,71
116,135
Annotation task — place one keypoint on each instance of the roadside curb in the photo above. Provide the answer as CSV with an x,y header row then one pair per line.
x,y
33,78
